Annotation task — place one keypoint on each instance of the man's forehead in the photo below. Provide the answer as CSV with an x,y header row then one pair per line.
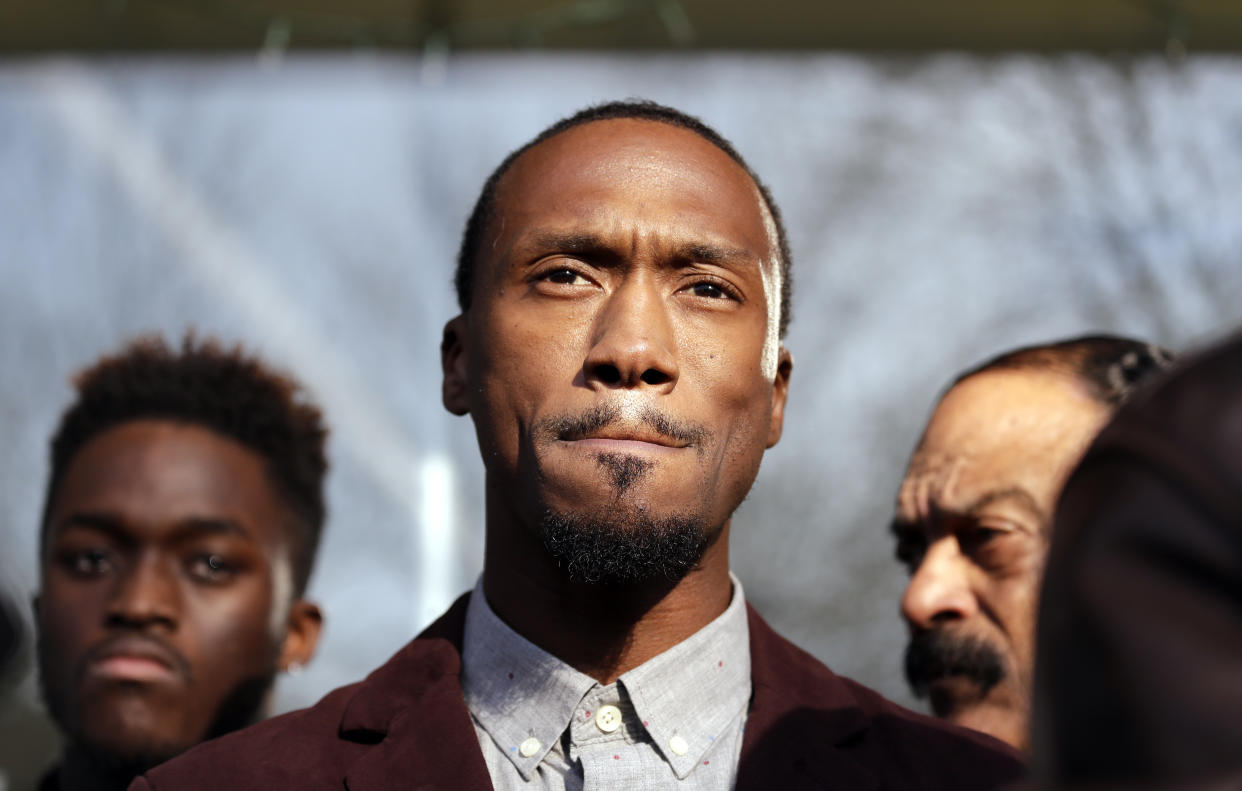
x,y
1003,430
584,170
607,137
997,410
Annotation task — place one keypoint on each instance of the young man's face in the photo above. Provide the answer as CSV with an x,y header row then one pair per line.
x,y
166,604
971,526
621,358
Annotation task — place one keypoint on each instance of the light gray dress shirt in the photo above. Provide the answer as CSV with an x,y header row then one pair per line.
x,y
674,722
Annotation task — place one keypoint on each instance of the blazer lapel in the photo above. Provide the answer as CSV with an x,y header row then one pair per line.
x,y
801,722
424,749
412,711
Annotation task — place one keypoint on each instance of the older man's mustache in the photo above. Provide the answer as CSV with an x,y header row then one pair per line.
x,y
935,654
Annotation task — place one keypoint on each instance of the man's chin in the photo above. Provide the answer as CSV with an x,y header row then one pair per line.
x,y
992,717
624,546
131,753
951,696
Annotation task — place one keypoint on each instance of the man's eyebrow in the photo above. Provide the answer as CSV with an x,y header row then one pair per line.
x,y
569,242
1015,493
108,524
900,528
596,246
716,254
113,526
196,527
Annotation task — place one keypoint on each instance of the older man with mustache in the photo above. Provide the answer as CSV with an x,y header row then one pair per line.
x,y
974,514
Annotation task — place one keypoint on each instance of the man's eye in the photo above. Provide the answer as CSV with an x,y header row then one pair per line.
x,y
566,277
976,538
711,289
211,568
910,550
88,562
991,548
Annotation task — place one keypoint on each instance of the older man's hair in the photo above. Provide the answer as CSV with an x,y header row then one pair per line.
x,y
485,207
1111,367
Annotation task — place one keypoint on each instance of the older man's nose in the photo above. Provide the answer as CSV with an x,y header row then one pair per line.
x,y
939,591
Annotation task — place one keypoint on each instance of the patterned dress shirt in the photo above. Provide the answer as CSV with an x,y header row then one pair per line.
x,y
674,722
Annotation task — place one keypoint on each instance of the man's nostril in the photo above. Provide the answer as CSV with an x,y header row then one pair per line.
x,y
653,376
608,374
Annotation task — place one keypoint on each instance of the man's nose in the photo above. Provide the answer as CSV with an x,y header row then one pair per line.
x,y
940,589
145,593
633,344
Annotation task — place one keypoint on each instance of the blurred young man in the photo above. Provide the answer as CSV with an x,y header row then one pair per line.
x,y
624,286
974,511
181,521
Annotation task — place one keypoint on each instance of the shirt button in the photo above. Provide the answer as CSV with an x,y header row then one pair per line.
x,y
529,747
608,718
679,745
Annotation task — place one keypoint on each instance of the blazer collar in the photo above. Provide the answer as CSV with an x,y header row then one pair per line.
x,y
411,709
802,720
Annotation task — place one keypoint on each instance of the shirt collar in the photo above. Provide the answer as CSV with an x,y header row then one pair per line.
x,y
525,698
515,690
688,696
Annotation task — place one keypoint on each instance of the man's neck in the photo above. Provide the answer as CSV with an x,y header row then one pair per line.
x,y
601,631
78,772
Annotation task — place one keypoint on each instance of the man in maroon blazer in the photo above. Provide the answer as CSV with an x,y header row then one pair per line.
x,y
624,288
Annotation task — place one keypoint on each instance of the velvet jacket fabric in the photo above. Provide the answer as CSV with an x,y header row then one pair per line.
x,y
1140,635
406,727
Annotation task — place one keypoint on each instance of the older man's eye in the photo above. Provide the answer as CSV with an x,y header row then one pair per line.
x,y
910,550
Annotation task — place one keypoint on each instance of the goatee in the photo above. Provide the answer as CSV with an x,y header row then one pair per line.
x,y
624,548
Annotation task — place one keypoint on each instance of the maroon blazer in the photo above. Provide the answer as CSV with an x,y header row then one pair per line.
x,y
406,727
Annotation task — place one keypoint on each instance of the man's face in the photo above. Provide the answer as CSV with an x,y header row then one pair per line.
x,y
166,585
971,526
621,358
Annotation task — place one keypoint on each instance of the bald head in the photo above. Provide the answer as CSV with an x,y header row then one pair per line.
x,y
484,214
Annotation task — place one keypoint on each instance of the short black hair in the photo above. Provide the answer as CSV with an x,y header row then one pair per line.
x,y
221,389
640,110
1110,366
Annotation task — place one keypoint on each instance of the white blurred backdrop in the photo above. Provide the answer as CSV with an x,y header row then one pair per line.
x,y
941,209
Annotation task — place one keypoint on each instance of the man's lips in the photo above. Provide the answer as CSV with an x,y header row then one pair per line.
x,y
136,659
625,442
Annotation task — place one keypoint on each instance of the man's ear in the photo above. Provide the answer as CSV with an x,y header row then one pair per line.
x,y
301,634
455,390
780,392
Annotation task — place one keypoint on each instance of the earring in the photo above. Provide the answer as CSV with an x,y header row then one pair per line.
x,y
294,669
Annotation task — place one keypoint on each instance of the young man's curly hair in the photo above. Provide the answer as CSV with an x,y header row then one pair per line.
x,y
218,388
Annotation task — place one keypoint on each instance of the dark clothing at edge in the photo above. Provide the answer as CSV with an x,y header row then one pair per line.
x,y
1140,637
